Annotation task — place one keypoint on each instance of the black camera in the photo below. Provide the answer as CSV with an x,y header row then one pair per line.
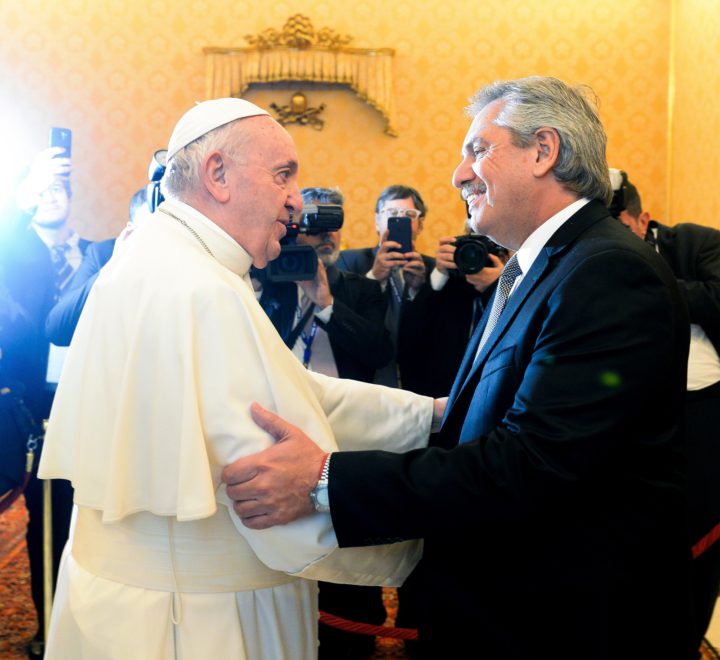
x,y
472,250
299,262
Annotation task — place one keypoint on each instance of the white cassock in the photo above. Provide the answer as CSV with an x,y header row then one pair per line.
x,y
153,402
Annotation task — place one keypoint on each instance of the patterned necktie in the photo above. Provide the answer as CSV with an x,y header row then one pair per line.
x,y
63,269
505,284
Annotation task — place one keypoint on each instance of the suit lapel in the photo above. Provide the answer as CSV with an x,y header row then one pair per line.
x,y
558,243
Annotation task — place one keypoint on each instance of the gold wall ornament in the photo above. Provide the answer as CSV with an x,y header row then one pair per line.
x,y
299,53
298,32
298,112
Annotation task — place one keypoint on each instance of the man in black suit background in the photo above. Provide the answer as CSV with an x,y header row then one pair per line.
x,y
693,253
402,277
552,500
335,324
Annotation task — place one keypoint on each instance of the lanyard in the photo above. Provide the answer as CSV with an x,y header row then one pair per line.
x,y
307,337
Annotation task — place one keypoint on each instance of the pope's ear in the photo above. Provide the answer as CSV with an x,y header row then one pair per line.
x,y
547,143
214,176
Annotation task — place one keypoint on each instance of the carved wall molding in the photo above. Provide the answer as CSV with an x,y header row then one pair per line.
x,y
301,54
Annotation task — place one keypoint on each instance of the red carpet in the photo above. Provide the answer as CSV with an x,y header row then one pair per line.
x,y
18,622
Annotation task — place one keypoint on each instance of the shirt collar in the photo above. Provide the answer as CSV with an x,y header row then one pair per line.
x,y
530,249
222,246
47,237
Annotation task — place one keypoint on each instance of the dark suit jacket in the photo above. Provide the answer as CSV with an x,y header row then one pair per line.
x,y
693,252
414,366
360,261
556,529
437,331
29,277
62,319
358,338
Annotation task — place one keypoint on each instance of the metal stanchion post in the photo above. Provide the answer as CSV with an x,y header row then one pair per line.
x,y
47,552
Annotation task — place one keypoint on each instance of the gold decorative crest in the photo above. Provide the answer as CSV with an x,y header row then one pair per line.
x,y
298,32
298,112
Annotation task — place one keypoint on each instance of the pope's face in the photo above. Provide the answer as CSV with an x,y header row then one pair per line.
x,y
494,177
264,189
53,207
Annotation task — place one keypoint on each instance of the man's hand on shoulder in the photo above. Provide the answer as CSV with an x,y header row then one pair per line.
x,y
273,486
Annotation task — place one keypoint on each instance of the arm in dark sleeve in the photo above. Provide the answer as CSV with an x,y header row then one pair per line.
x,y
62,319
594,368
357,323
702,290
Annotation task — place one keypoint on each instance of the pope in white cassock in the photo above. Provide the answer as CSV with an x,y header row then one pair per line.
x,y
170,352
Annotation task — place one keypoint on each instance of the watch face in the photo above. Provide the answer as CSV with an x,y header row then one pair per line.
x,y
323,496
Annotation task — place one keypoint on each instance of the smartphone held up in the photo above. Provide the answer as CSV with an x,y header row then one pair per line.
x,y
61,137
400,231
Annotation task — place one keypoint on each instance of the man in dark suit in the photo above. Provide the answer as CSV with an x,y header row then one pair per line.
x,y
38,257
336,325
552,500
693,253
402,277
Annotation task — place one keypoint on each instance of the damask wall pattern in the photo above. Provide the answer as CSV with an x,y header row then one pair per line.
x,y
121,72
695,169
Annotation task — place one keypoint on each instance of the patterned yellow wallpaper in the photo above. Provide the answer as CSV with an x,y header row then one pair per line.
x,y
695,163
120,73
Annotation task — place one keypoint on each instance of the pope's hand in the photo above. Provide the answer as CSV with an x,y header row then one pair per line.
x,y
273,486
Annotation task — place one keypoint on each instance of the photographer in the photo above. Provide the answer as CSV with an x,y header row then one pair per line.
x,y
342,314
402,275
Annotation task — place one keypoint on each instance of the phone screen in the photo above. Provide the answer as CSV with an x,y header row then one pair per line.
x,y
61,137
400,231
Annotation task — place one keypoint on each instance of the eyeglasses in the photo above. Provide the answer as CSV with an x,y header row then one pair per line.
x,y
393,212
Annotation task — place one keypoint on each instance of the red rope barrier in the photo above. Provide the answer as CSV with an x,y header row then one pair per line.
x,y
366,628
706,541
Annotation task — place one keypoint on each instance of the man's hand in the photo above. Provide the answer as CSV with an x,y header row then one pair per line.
x,y
42,173
318,289
414,270
445,255
388,257
273,486
487,275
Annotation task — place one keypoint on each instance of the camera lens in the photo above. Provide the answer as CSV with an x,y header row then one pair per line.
x,y
470,256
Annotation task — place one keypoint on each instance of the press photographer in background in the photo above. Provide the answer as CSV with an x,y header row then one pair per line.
x,y
401,271
38,257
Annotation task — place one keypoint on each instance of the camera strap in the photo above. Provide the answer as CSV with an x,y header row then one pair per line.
x,y
308,339
295,332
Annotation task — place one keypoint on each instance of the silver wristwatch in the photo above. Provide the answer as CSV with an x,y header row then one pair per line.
x,y
319,496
